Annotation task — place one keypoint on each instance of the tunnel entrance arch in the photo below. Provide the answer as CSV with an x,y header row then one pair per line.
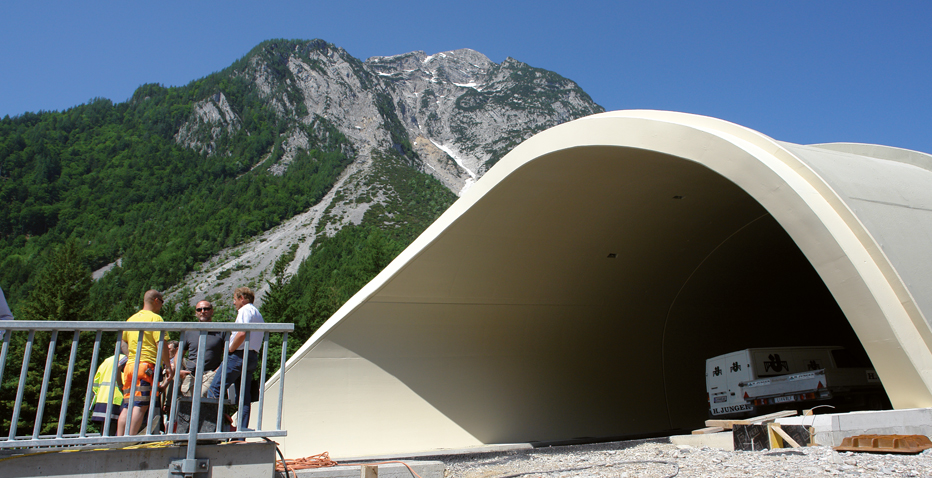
x,y
566,293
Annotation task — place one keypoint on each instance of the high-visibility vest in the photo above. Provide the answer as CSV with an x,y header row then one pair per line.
x,y
102,383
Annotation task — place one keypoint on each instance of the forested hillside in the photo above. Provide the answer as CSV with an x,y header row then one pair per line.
x,y
111,177
181,189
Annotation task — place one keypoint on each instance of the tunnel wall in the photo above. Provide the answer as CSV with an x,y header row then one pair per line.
x,y
577,288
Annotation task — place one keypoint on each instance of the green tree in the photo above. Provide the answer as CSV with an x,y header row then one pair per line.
x,y
275,302
62,293
63,287
179,309
275,305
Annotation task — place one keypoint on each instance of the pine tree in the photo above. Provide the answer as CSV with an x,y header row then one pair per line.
x,y
62,293
63,289
275,302
275,306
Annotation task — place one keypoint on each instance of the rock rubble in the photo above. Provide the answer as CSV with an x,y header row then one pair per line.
x,y
658,458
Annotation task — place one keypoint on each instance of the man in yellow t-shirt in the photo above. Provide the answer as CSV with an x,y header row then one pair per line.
x,y
151,306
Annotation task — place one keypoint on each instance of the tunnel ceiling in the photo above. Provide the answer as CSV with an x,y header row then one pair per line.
x,y
545,237
577,290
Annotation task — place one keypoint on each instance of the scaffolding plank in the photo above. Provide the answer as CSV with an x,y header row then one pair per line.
x,y
729,424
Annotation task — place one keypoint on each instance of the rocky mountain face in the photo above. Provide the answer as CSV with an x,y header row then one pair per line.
x,y
459,105
451,115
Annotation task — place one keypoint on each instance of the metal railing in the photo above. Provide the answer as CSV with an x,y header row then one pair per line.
x,y
62,439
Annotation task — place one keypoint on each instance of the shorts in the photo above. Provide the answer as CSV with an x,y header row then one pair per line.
x,y
143,384
188,383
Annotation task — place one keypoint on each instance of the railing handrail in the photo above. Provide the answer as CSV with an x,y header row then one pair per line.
x,y
62,325
98,328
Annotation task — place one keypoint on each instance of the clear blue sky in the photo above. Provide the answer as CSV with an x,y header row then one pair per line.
x,y
798,71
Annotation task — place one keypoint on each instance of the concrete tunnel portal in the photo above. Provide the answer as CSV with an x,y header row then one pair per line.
x,y
578,291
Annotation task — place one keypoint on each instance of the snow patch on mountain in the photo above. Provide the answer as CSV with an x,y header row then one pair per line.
x,y
456,157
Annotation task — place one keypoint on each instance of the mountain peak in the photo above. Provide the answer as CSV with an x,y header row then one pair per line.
x,y
451,115
463,66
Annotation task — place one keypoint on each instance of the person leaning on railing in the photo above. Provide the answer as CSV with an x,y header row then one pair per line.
x,y
240,359
213,352
152,305
108,399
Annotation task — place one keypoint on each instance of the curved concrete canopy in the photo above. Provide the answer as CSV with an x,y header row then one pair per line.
x,y
578,287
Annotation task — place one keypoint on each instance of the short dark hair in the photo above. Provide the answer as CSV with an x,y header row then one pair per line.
x,y
150,296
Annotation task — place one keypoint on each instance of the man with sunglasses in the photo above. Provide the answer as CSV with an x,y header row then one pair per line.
x,y
213,352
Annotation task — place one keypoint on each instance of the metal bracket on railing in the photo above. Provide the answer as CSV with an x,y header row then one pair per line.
x,y
185,467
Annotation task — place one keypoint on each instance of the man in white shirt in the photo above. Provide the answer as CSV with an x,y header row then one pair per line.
x,y
246,314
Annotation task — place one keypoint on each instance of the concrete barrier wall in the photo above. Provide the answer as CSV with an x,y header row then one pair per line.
x,y
229,461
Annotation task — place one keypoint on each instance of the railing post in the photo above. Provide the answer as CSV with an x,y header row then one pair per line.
x,y
64,401
40,409
114,372
3,352
176,384
132,388
156,381
195,415
265,356
281,380
22,380
90,383
242,384
223,377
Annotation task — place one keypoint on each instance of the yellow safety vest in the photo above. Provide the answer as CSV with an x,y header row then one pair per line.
x,y
102,383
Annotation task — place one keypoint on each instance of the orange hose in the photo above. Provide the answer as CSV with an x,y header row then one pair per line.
x,y
314,461
323,460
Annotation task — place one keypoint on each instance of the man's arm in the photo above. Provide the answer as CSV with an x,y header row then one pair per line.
x,y
179,356
237,340
166,357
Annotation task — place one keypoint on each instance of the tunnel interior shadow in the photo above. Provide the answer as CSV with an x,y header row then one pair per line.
x,y
756,290
530,333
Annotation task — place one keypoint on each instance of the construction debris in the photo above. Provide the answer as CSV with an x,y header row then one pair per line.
x,y
905,444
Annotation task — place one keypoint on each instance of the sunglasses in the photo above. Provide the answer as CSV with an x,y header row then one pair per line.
x,y
202,309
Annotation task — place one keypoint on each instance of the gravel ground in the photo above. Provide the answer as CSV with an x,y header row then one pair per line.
x,y
659,458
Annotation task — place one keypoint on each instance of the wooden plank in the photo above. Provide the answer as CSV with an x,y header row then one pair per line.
x,y
775,427
703,431
772,416
725,424
729,424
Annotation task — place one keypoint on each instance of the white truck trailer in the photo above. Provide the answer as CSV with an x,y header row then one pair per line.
x,y
764,380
